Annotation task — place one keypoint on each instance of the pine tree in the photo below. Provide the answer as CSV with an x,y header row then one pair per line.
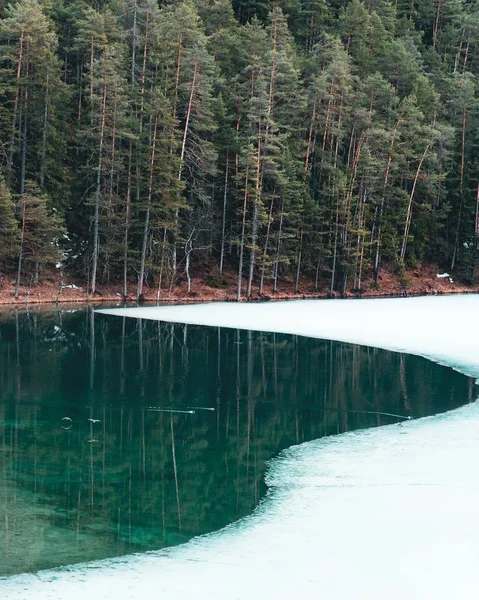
x,y
40,231
186,77
33,93
102,134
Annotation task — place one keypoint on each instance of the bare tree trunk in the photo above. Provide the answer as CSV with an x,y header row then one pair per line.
x,y
182,157
23,163
178,72
335,251
44,135
20,252
127,224
134,36
360,242
96,218
265,250
225,196
160,278
22,186
112,159
257,199
146,227
311,136
243,226
344,237
466,54
278,249
252,259
188,251
60,285
377,257
298,260
436,23
92,57
407,224
459,52
15,110
461,186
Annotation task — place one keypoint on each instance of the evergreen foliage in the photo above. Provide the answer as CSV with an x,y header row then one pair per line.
x,y
279,140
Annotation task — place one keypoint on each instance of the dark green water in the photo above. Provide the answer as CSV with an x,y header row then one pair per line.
x,y
169,428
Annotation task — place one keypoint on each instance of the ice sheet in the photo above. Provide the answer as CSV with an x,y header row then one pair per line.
x,y
375,514
444,329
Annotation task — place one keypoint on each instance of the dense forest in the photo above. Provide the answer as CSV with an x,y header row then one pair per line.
x,y
141,140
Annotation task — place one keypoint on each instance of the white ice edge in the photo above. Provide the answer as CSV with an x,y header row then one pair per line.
x,y
375,514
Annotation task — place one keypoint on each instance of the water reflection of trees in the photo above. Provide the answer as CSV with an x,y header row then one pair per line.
x,y
171,425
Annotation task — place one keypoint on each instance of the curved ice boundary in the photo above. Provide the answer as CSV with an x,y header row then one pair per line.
x,y
387,513
444,329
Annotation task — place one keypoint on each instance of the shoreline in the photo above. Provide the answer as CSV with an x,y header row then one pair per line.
x,y
178,300
424,281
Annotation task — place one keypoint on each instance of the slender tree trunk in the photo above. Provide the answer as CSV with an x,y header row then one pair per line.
x,y
23,160
436,22
328,112
11,151
257,200
134,40
188,250
223,225
127,223
335,250
311,137
407,223
146,227
377,256
298,259
182,157
360,242
162,262
242,239
459,52
22,182
20,252
252,259
461,187
130,156
44,135
344,237
111,191
466,54
178,72
278,248
92,60
265,250
96,218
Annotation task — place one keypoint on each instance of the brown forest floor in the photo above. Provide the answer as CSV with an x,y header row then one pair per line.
x,y
205,287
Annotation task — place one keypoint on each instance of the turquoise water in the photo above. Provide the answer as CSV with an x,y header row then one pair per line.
x,y
120,435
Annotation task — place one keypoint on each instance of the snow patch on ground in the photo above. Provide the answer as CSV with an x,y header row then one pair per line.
x,y
374,514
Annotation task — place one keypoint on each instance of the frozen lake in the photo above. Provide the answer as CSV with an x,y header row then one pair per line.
x,y
386,512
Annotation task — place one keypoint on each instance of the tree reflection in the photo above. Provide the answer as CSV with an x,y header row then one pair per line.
x,y
171,426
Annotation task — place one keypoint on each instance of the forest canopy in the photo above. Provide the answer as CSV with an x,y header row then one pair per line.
x,y
323,139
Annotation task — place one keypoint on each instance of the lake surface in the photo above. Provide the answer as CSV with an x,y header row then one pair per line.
x,y
121,435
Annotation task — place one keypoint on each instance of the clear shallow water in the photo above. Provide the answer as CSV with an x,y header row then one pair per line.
x,y
183,422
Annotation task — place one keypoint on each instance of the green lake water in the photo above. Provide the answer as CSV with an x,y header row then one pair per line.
x,y
121,435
